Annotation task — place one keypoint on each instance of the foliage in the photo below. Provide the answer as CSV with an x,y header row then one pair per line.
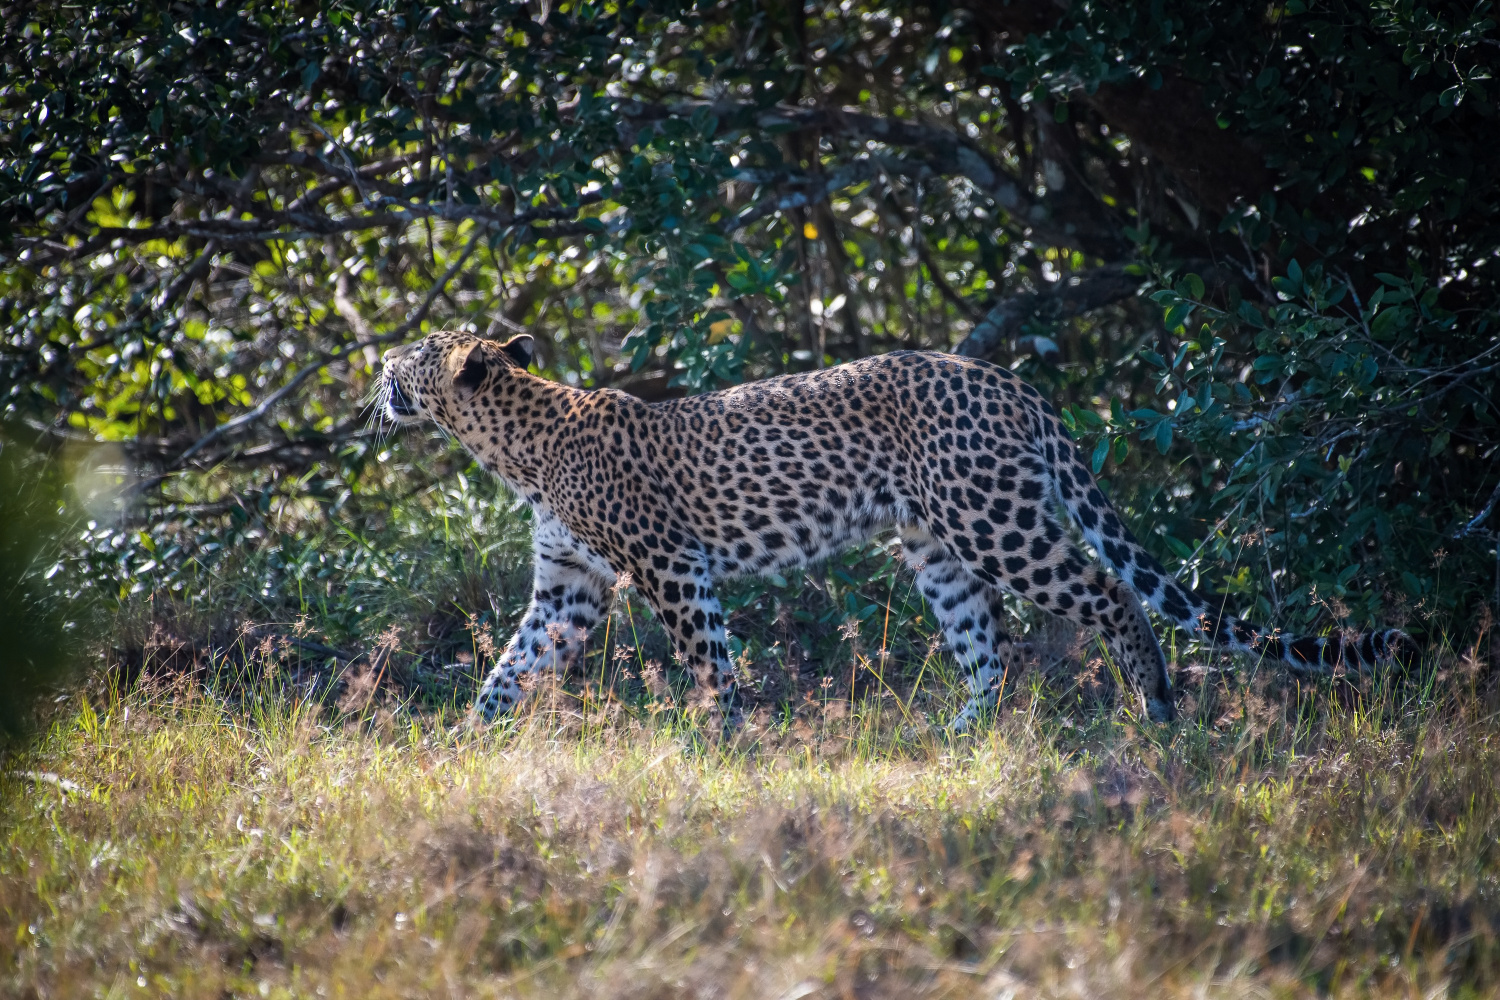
x,y
1252,251
1274,843
1350,381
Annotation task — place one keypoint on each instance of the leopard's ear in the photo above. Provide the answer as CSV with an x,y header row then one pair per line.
x,y
468,366
520,348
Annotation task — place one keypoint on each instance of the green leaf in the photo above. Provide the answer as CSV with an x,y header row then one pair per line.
x,y
641,355
1439,444
1122,449
1179,548
1385,323
1176,315
1164,436
1194,285
1101,452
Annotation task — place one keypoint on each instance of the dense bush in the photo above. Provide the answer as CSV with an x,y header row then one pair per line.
x,y
1251,249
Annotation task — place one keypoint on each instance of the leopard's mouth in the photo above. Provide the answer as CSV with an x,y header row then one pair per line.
x,y
398,402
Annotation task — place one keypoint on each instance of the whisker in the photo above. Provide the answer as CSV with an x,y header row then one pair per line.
x,y
377,399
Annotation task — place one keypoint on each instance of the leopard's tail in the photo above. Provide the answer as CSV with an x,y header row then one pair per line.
x,y
1200,615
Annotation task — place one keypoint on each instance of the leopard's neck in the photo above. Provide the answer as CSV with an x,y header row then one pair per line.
x,y
511,425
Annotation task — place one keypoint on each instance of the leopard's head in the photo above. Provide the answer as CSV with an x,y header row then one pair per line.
x,y
436,377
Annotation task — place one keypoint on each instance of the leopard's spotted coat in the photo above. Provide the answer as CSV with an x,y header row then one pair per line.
x,y
964,460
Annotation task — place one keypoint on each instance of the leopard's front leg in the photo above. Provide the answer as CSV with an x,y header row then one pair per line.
x,y
569,596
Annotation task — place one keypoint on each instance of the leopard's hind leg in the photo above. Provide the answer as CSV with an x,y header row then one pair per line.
x,y
1031,557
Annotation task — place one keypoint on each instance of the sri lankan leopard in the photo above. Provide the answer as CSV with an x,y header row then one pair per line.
x,y
962,459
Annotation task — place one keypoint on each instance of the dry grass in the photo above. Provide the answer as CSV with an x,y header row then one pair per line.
x,y
1292,845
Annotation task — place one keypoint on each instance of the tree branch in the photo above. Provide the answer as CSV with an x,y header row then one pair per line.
x,y
1069,297
1479,518
329,357
1172,120
846,176
941,150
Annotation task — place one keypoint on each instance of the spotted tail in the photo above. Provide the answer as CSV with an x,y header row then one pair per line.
x,y
1192,612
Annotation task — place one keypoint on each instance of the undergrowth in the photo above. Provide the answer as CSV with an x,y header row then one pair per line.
x,y
193,837
417,586
268,789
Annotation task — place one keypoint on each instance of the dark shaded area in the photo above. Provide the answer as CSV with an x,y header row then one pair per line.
x,y
34,653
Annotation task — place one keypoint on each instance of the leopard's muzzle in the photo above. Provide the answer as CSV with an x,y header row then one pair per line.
x,y
398,402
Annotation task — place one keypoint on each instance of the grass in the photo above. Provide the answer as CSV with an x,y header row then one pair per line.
x,y
238,810
1279,841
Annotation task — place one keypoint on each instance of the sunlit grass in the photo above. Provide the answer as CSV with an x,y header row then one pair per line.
x,y
166,842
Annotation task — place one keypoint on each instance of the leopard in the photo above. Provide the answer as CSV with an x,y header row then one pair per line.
x,y
961,459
